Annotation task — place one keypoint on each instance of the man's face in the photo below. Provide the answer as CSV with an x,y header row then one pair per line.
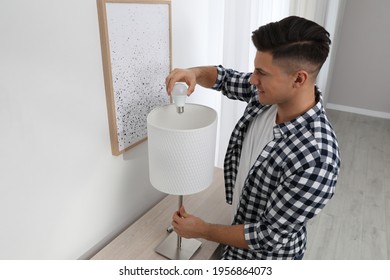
x,y
274,86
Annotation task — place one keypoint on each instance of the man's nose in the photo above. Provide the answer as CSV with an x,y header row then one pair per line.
x,y
253,80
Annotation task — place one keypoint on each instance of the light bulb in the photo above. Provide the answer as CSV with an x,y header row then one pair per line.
x,y
179,94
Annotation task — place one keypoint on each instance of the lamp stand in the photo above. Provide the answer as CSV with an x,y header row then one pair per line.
x,y
176,248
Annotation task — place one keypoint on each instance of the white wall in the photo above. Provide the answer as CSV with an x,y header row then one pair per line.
x,y
62,193
361,73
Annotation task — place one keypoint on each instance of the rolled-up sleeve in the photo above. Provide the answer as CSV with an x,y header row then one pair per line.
x,y
234,84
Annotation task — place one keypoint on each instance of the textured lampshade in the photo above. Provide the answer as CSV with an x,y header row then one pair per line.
x,y
181,148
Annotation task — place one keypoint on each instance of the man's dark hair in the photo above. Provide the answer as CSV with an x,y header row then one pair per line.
x,y
294,42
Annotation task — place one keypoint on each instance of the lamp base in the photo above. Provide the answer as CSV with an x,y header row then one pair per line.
x,y
169,248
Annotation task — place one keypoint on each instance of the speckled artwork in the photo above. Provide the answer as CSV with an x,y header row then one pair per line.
x,y
139,48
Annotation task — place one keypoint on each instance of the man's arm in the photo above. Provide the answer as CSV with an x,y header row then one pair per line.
x,y
203,75
189,226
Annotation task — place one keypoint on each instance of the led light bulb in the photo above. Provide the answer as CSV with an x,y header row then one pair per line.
x,y
179,94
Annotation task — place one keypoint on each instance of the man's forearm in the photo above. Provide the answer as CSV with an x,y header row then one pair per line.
x,y
205,75
228,235
189,226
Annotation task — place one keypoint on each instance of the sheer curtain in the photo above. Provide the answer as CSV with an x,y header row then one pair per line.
x,y
240,18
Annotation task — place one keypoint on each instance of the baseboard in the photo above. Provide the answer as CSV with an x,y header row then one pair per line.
x,y
359,111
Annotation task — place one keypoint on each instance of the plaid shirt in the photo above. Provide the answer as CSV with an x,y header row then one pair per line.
x,y
291,181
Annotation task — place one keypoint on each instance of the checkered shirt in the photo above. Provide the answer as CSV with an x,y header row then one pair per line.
x,y
292,179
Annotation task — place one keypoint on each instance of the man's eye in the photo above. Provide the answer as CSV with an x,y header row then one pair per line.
x,y
258,72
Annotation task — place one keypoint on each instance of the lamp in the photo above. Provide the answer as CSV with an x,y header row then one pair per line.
x,y
181,160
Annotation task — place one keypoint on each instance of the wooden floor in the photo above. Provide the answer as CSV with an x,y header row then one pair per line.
x,y
356,223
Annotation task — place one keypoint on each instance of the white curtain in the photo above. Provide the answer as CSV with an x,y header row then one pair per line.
x,y
242,17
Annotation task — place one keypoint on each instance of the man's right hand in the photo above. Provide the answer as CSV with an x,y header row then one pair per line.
x,y
181,75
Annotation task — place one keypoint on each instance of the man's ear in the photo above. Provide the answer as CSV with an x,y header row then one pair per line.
x,y
300,78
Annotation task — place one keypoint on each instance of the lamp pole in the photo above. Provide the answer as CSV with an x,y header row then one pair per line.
x,y
179,237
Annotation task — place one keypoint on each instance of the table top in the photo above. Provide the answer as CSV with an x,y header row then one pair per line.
x,y
140,239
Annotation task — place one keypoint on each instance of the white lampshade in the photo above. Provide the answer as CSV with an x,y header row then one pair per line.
x,y
181,148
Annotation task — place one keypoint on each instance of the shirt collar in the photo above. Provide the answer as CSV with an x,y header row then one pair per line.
x,y
296,124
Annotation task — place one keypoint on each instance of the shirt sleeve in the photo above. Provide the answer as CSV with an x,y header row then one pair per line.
x,y
298,198
234,84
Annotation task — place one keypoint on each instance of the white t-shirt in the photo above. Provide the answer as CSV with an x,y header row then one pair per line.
x,y
259,133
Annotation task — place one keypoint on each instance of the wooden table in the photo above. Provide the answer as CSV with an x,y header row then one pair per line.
x,y
139,240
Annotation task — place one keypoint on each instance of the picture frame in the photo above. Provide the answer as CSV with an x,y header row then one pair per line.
x,y
135,38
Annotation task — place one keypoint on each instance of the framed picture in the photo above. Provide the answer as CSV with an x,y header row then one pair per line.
x,y
136,52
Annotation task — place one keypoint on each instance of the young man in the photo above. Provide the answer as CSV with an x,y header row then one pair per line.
x,y
282,161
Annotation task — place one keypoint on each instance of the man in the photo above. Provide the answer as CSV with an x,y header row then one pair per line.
x,y
282,161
